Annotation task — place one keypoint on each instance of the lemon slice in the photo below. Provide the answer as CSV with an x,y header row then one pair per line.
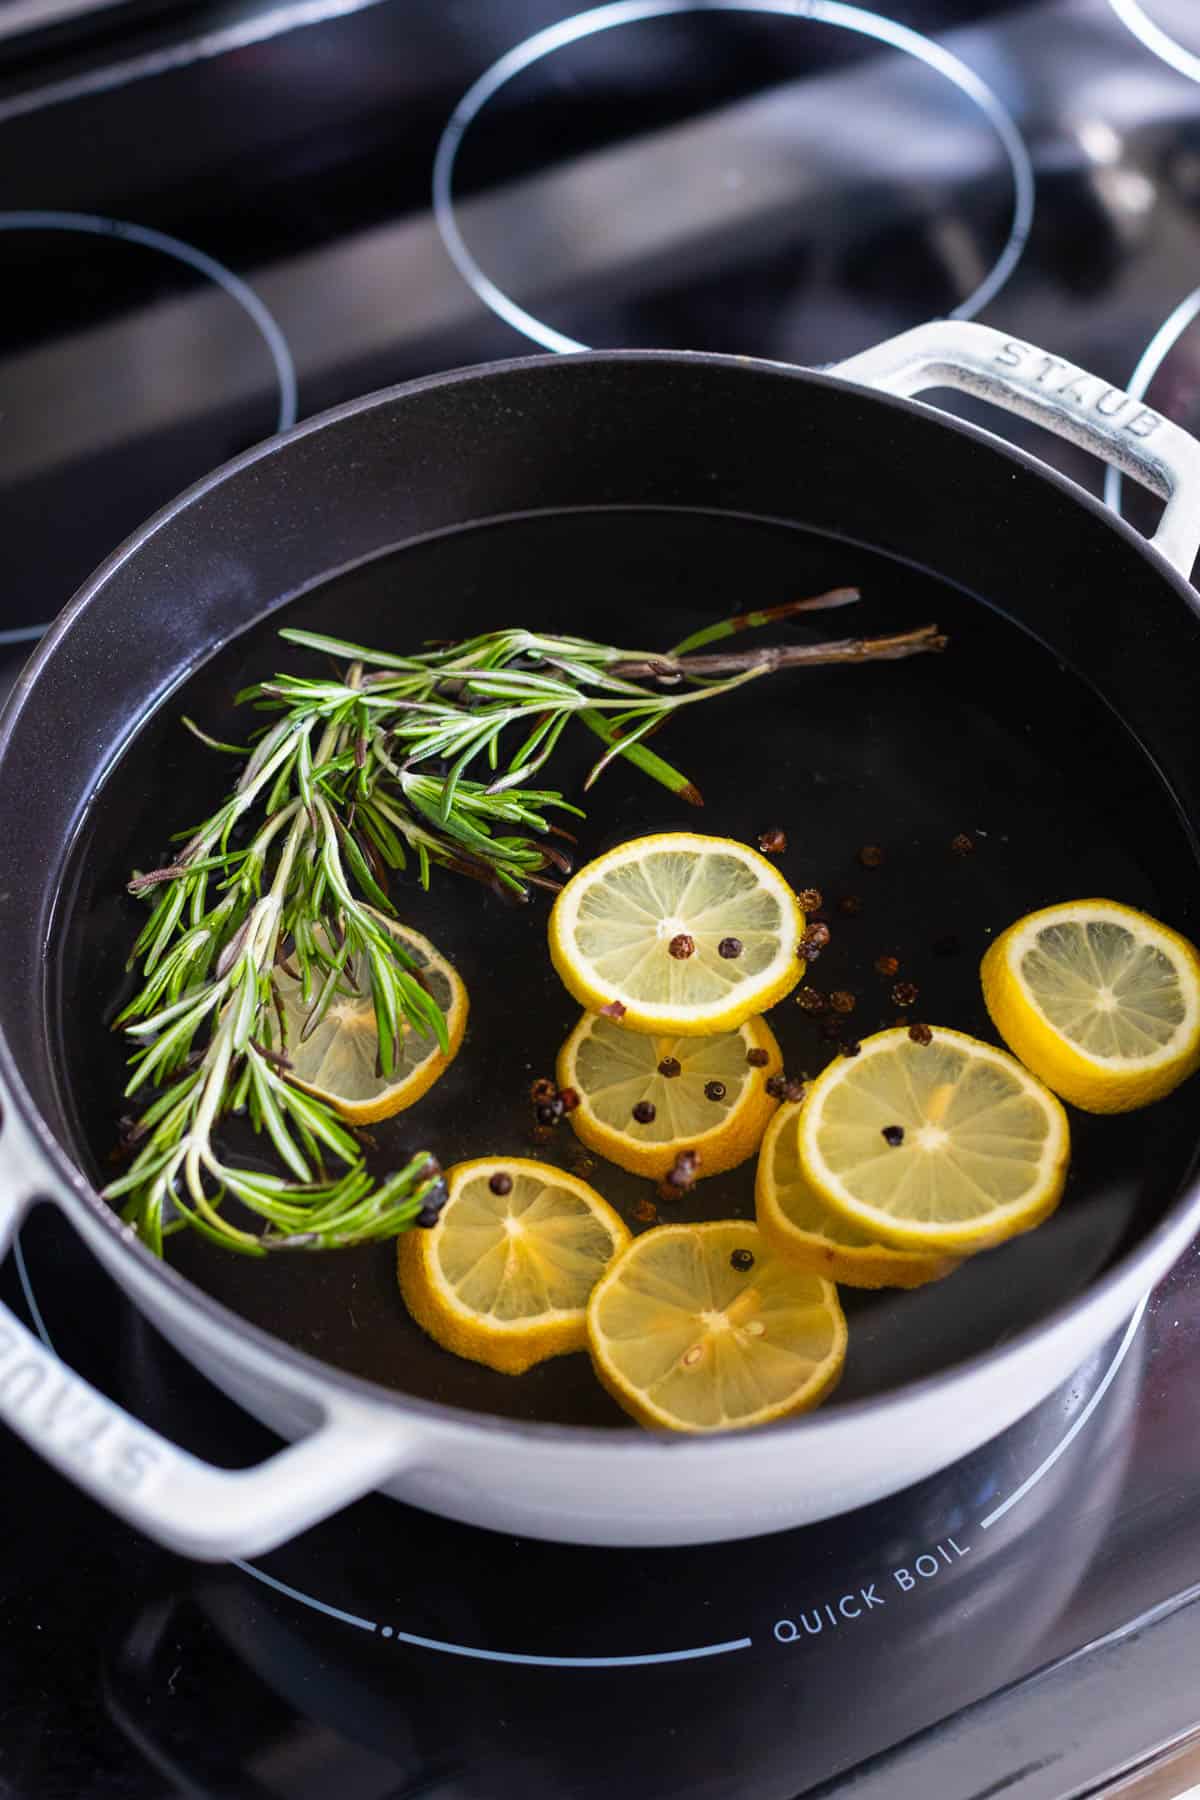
x,y
982,1153
797,1223
703,1328
339,1062
644,1099
678,934
1100,1001
503,1278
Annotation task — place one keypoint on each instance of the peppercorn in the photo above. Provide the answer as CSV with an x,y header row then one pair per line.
x,y
775,1085
950,945
670,1066
741,1260
887,966
682,946
758,1059
543,1091
811,1000
893,1135
550,1112
795,1090
811,900
729,948
645,1212
851,1047
681,1175
501,1183
842,1000
428,1217
773,841
816,937
849,906
962,845
714,1090
905,993
614,1010
568,1098
583,1165
645,1112
920,1034
871,855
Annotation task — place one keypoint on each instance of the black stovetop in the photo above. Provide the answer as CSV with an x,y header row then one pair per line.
x,y
967,1628
213,220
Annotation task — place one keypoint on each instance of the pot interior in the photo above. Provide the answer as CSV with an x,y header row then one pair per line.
x,y
998,738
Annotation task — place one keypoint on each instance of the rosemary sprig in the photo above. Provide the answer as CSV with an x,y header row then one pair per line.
x,y
427,759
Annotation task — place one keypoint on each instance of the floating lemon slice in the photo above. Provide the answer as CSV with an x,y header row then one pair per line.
x,y
704,1328
644,1099
339,1062
946,1146
504,1277
1100,1001
678,934
797,1223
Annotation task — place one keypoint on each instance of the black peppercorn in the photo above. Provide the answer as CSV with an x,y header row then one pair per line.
x,y
645,1112
741,1260
729,948
893,1135
501,1183
758,1059
670,1066
920,1034
714,1090
773,841
815,938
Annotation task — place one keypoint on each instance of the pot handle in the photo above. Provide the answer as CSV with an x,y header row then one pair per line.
x,y
1121,430
177,1499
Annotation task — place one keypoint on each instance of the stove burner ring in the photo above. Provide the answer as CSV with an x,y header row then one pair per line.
x,y
628,12
1135,19
1148,365
93,225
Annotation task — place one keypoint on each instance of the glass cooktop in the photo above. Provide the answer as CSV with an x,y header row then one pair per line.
x,y
217,220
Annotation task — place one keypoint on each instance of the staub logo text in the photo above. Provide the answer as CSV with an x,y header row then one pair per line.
x,y
1079,390
47,1405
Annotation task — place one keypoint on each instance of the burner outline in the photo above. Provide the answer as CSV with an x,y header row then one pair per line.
x,y
1159,42
628,12
598,1662
1147,367
94,225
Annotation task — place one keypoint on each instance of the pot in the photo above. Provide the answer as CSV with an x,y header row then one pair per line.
x,y
1064,709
